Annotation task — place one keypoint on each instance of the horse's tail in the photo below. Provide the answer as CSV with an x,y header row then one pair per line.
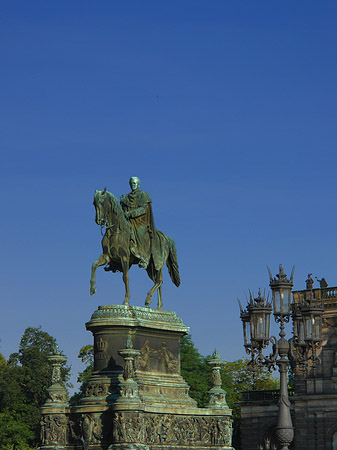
x,y
172,262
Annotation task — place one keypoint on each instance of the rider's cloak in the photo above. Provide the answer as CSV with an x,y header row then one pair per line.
x,y
146,241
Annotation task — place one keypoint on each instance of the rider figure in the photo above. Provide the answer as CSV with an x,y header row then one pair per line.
x,y
137,209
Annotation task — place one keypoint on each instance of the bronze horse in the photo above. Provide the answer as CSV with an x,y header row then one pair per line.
x,y
116,248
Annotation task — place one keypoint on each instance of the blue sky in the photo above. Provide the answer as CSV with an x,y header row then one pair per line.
x,y
225,110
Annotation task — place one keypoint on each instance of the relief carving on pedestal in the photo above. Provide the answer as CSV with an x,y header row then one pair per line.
x,y
92,429
53,429
171,429
89,428
158,360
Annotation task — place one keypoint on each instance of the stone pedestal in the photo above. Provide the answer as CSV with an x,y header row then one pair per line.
x,y
156,335
136,397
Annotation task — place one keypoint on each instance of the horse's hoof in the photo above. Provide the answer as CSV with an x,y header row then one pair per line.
x,y
126,303
93,291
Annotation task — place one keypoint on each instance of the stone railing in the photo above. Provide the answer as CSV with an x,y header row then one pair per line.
x,y
265,395
329,293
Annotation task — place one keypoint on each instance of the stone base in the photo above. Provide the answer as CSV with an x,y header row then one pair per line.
x,y
136,397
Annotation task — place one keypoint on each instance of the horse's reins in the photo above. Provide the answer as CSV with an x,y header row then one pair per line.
x,y
107,227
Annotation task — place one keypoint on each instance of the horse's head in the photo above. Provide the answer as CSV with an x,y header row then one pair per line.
x,y
109,211
101,207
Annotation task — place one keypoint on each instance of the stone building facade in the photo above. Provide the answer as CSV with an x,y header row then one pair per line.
x,y
313,401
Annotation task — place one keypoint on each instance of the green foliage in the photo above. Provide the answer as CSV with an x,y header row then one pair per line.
x,y
244,378
236,376
241,377
86,355
195,371
2,360
24,380
14,432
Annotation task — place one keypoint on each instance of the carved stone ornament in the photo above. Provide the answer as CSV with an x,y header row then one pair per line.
x,y
56,392
128,389
285,435
57,396
101,345
56,362
96,390
217,396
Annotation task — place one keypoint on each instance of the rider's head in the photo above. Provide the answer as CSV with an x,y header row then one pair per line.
x,y
134,183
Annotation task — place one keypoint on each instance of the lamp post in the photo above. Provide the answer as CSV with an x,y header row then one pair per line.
x,y
307,322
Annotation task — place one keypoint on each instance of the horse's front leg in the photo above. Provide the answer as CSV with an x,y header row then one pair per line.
x,y
103,259
125,268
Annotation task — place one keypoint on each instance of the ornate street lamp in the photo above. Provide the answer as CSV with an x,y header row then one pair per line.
x,y
307,323
307,331
256,324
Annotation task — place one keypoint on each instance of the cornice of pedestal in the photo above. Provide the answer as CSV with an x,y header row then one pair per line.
x,y
122,315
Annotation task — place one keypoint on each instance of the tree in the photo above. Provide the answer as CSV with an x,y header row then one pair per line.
x,y
236,376
242,377
195,371
86,355
24,380
2,360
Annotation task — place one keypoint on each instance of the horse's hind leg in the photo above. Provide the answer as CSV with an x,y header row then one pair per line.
x,y
160,301
157,284
103,259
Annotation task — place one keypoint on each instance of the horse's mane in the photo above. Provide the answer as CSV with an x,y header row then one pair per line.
x,y
118,211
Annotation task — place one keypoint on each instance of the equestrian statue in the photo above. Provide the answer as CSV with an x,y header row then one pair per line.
x,y
131,238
